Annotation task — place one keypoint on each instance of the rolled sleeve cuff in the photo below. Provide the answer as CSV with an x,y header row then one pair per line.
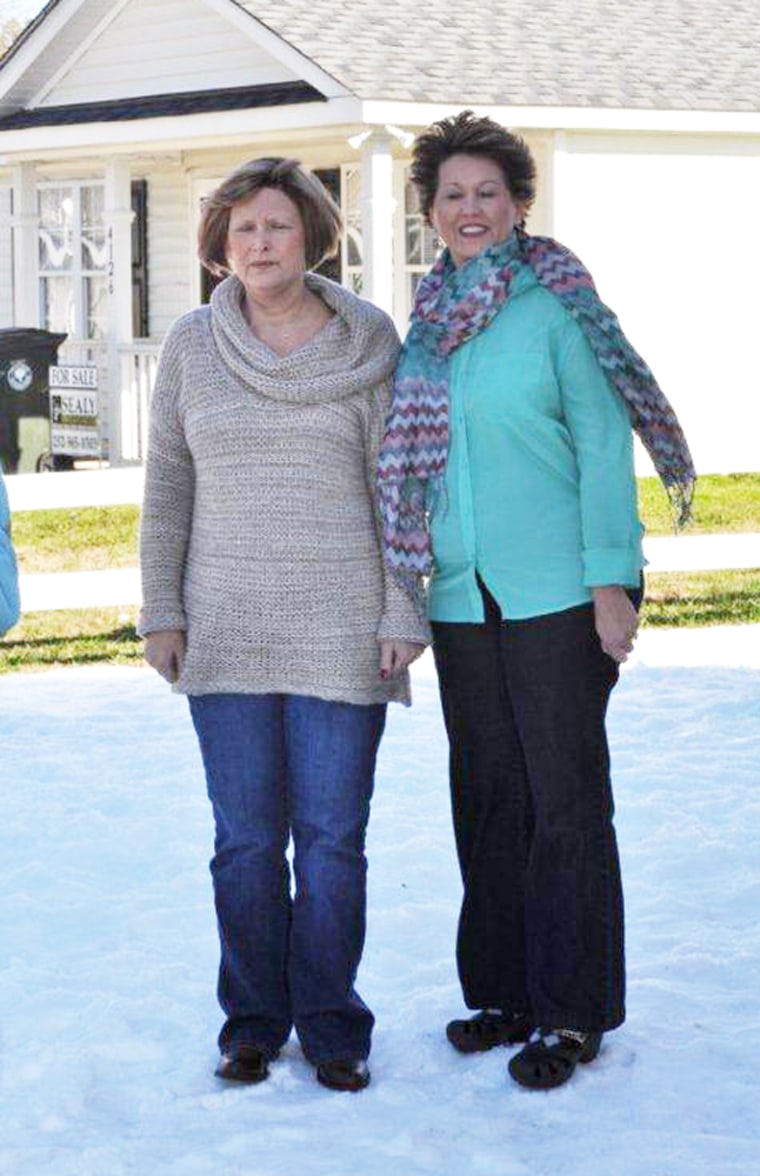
x,y
612,565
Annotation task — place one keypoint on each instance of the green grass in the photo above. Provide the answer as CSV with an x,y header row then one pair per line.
x,y
71,638
722,502
702,598
87,538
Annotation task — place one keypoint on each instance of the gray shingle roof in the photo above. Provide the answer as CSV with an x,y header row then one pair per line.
x,y
650,54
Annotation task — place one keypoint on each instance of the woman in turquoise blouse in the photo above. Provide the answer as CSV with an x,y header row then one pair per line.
x,y
507,478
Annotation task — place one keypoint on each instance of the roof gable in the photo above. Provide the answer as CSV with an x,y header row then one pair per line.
x,y
85,52
161,46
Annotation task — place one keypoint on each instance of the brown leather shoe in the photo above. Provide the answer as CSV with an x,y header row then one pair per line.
x,y
486,1030
243,1063
352,1074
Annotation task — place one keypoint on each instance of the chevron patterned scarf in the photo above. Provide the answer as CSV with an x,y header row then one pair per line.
x,y
451,306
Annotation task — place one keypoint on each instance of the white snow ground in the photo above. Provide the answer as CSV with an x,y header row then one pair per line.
x,y
108,949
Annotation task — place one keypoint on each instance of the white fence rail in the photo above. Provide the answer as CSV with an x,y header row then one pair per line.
x,y
73,488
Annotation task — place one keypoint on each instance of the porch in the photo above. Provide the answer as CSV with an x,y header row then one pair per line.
x,y
106,253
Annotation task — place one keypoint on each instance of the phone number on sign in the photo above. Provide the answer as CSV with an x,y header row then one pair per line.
x,y
76,443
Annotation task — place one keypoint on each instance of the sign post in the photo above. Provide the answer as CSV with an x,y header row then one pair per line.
x,y
74,410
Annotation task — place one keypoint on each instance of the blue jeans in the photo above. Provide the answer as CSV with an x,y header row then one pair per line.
x,y
279,766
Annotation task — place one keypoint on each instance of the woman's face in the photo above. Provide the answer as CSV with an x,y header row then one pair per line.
x,y
266,246
473,207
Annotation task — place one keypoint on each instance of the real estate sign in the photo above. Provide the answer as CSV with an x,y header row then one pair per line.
x,y
74,410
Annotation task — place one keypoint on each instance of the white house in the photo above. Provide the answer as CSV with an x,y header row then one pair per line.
x,y
116,116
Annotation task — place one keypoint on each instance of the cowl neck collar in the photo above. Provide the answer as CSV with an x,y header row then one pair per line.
x,y
355,350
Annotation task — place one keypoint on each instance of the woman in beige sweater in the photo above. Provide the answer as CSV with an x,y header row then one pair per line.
x,y
266,602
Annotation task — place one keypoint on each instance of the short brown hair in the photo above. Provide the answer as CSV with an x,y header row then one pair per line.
x,y
320,214
466,134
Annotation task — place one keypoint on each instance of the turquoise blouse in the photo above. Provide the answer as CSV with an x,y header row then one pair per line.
x,y
539,495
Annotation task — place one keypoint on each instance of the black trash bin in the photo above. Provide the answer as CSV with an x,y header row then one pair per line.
x,y
25,356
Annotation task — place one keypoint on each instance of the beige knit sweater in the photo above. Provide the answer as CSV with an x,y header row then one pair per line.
x,y
259,528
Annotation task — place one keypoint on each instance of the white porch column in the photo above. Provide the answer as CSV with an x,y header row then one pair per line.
x,y
115,398
7,317
377,220
25,246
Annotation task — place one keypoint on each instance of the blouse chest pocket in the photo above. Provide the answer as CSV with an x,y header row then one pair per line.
x,y
505,384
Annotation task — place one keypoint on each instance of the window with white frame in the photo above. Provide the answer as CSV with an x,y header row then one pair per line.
x,y
352,252
73,259
420,241
416,243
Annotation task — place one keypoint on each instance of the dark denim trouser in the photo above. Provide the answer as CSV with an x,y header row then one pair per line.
x,y
541,925
276,766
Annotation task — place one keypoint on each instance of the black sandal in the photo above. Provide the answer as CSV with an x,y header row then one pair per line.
x,y
486,1030
550,1057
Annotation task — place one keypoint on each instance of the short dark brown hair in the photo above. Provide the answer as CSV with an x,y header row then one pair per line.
x,y
320,214
466,134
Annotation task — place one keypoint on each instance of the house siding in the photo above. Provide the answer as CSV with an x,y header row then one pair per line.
x,y
169,260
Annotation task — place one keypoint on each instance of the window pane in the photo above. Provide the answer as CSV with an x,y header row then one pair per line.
x,y
352,215
421,241
94,240
55,250
57,304
56,215
413,221
96,306
93,202
94,249
430,245
413,241
414,281
353,246
56,208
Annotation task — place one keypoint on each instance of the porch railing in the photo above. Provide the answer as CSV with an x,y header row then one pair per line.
x,y
138,362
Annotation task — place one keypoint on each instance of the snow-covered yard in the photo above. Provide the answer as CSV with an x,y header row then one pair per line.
x,y
108,949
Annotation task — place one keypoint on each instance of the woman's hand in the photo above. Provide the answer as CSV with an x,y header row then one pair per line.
x,y
395,656
616,620
165,652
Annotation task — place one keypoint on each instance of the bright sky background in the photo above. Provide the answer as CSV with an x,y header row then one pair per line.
x,y
21,10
